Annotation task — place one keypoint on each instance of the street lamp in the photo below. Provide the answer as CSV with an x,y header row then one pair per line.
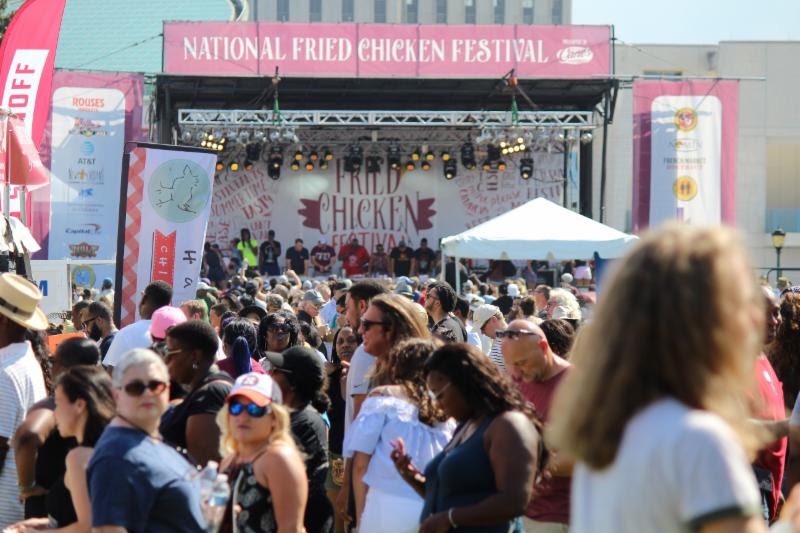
x,y
778,238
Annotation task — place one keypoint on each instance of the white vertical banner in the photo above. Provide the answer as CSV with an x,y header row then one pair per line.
x,y
163,223
685,165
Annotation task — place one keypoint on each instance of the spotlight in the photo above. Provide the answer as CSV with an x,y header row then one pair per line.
x,y
309,165
298,155
426,165
187,136
374,164
274,135
468,155
313,156
275,164
244,136
486,165
253,151
501,166
248,165
525,168
410,165
429,155
354,159
445,155
450,169
393,157
492,153
415,155
288,134
220,166
295,165
586,137
323,165
233,166
327,154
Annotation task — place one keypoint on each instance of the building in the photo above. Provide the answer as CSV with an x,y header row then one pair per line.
x,y
414,11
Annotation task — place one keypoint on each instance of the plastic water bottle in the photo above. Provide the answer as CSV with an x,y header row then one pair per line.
x,y
206,478
217,503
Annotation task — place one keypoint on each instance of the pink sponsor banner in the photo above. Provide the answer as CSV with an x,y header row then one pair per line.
x,y
27,56
684,158
385,50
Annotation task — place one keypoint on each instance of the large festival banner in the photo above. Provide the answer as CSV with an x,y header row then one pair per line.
x,y
383,207
94,115
164,208
349,50
684,152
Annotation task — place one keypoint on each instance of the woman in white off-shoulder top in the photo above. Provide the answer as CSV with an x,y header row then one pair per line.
x,y
401,410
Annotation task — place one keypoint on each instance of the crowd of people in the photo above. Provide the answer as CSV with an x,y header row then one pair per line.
x,y
397,404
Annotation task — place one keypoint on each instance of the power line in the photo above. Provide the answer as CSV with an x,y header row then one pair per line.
x,y
117,51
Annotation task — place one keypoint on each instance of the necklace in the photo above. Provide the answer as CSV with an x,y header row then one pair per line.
x,y
139,428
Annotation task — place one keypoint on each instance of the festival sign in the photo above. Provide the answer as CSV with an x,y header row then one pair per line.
x,y
351,50
163,223
377,208
93,116
684,152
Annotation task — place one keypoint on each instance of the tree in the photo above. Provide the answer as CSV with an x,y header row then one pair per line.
x,y
5,17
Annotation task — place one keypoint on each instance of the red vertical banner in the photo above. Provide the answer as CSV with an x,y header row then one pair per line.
x,y
24,166
27,57
163,262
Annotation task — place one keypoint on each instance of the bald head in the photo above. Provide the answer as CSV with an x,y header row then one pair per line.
x,y
526,353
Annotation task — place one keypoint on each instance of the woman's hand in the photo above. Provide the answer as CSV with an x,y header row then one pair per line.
x,y
36,490
402,462
436,523
31,524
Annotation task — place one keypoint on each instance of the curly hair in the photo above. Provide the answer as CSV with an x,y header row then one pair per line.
x,y
784,352
406,363
272,318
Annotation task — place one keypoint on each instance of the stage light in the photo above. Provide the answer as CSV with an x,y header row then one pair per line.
x,y
393,157
327,154
244,136
468,155
233,166
298,155
295,165
253,151
501,166
410,165
484,137
313,156
248,165
354,159
415,155
429,155
525,168
492,153
374,164
275,164
426,165
450,169
289,135
486,165
445,155
187,136
309,165
586,137
220,166
274,135
323,165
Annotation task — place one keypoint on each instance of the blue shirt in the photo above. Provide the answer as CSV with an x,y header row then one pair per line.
x,y
142,485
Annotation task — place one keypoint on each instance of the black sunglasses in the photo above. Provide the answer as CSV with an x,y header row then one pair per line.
x,y
280,328
255,411
137,387
366,324
513,334
88,322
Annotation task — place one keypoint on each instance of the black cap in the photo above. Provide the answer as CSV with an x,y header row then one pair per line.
x,y
300,361
253,310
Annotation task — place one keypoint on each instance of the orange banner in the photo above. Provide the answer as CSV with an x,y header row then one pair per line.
x,y
163,266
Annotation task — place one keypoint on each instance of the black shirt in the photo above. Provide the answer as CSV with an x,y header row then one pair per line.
x,y
297,260
402,261
310,434
269,252
450,329
425,258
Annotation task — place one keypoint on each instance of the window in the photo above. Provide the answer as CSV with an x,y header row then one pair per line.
x,y
412,8
380,10
441,11
283,10
469,11
315,10
558,11
499,11
347,11
527,11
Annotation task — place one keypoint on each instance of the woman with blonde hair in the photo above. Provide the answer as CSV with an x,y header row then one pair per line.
x,y
268,476
656,406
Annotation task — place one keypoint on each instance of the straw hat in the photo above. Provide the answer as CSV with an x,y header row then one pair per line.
x,y
19,301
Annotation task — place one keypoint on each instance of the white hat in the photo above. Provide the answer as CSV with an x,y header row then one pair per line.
x,y
258,388
566,277
19,301
513,290
483,313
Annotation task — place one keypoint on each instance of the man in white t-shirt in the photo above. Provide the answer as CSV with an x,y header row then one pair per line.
x,y
156,295
357,382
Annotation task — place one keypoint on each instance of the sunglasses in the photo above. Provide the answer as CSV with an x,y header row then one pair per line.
x,y
366,324
137,387
513,334
280,328
436,396
253,410
88,322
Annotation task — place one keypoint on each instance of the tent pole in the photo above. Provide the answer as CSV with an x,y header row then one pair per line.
x,y
444,267
458,279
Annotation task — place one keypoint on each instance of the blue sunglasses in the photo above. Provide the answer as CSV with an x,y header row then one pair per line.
x,y
255,411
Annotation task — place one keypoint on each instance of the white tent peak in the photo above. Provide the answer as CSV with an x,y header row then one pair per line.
x,y
538,229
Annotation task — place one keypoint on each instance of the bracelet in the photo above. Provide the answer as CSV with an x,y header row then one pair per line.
x,y
450,518
27,488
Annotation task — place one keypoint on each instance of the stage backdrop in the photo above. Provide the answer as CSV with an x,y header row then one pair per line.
x,y
684,161
376,208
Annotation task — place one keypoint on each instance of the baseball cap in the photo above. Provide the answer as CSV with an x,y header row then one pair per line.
x,y
260,389
323,240
401,244
313,297
164,318
403,289
483,313
513,290
300,361
307,285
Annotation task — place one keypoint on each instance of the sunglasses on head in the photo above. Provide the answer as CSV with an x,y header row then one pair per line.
x,y
137,387
255,411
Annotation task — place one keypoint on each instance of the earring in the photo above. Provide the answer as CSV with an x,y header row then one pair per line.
x,y
195,366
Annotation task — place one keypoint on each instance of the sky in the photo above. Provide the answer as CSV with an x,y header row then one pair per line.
x,y
693,21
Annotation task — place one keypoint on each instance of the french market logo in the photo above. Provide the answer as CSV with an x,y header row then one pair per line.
x,y
575,55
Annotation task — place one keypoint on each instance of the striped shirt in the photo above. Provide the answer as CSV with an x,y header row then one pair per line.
x,y
496,354
21,385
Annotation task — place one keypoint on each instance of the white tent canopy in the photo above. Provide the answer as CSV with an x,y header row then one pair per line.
x,y
538,229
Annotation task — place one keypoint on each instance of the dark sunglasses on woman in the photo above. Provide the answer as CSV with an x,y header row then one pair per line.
x,y
280,328
137,387
255,411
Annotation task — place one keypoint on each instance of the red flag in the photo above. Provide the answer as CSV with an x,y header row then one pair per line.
x,y
27,56
163,265
24,165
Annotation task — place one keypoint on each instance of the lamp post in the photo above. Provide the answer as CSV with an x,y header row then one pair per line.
x,y
778,238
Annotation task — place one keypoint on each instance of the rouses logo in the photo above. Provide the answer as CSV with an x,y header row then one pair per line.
x,y
686,145
84,229
575,55
83,249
